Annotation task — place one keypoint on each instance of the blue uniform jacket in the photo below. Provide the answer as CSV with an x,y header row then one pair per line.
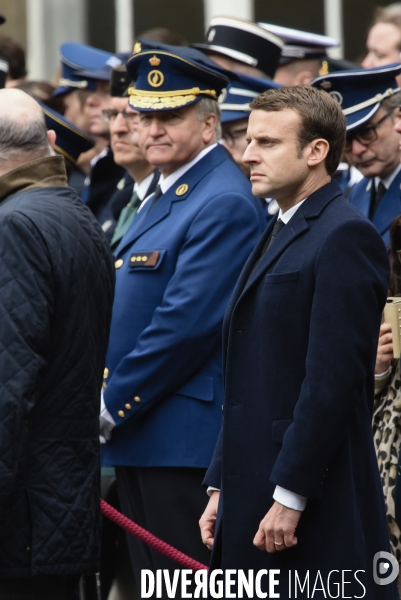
x,y
176,268
388,209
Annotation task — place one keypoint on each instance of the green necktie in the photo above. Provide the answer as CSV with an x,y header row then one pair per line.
x,y
125,219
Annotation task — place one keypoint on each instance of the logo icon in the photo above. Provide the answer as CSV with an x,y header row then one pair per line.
x,y
154,61
182,189
337,96
211,35
385,568
155,78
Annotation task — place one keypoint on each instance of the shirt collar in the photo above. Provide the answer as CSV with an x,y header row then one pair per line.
x,y
142,188
388,180
166,183
286,216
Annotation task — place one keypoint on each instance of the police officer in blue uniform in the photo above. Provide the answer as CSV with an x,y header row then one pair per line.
x,y
370,100
176,267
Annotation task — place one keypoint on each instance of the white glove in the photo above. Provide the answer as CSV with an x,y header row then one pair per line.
x,y
106,422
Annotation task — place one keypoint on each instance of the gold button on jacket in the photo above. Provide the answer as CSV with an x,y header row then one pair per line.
x,y
121,414
137,399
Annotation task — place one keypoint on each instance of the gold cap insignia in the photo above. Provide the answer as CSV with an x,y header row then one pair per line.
x,y
154,61
155,78
137,48
324,69
182,189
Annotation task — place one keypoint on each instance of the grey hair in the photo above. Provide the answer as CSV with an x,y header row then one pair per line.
x,y
207,106
27,138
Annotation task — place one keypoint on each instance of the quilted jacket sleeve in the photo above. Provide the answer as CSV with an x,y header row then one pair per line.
x,y
26,304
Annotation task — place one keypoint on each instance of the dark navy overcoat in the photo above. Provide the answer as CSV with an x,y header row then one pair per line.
x,y
300,339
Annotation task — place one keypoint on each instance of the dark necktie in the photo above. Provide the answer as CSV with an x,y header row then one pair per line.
x,y
278,226
376,198
156,196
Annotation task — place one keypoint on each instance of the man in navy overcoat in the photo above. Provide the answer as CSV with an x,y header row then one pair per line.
x,y
176,266
295,463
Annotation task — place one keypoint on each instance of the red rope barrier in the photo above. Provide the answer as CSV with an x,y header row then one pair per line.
x,y
150,539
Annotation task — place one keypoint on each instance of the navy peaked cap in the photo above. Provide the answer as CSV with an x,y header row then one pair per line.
x,y
166,81
70,141
301,45
245,42
361,91
234,100
76,58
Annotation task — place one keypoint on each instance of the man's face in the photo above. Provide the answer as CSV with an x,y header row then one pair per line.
x,y
380,157
75,111
95,103
278,169
121,134
234,139
170,139
383,45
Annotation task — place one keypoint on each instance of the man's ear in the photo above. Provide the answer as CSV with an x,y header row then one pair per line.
x,y
303,78
317,152
209,129
51,138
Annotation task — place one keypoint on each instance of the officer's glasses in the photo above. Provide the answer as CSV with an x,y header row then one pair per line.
x,y
111,114
366,135
231,137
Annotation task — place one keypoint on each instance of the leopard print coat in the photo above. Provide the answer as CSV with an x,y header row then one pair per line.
x,y
387,440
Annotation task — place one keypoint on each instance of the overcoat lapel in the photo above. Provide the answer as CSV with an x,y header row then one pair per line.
x,y
296,227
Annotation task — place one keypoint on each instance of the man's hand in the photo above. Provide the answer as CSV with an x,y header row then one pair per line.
x,y
278,526
207,521
384,349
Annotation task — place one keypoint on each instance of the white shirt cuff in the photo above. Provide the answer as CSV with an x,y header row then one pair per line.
x,y
383,375
104,413
211,489
289,499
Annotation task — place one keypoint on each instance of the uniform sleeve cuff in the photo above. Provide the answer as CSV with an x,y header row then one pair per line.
x,y
211,489
289,499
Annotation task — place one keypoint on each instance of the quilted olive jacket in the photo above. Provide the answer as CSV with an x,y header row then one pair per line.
x,y
56,292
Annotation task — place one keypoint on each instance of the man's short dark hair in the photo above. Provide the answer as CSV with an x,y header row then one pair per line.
x,y
321,117
13,53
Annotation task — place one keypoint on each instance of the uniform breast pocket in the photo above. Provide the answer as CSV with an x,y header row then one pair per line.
x,y
146,260
275,278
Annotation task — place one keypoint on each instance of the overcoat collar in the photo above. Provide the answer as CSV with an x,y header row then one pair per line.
x,y
151,215
42,172
310,209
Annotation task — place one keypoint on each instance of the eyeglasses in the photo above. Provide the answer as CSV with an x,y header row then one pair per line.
x,y
366,135
231,137
111,114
